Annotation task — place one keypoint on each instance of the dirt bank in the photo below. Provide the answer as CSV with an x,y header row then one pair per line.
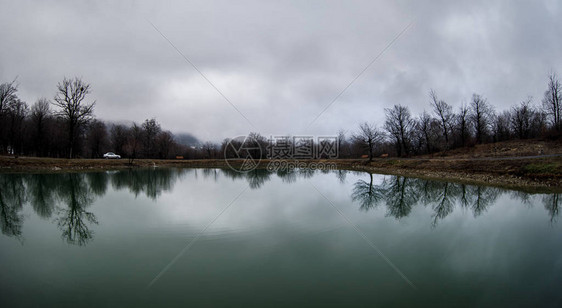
x,y
537,173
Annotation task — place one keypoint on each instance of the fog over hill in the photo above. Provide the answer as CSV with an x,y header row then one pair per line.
x,y
186,139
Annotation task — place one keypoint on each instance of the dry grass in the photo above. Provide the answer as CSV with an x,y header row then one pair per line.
x,y
510,148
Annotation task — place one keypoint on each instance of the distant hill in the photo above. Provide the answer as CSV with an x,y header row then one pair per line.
x,y
186,139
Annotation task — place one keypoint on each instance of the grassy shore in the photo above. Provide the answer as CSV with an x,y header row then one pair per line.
x,y
537,174
544,173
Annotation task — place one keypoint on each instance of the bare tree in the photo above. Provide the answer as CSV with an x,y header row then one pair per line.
x,y
501,126
209,149
343,145
134,143
444,113
228,147
399,124
368,136
40,113
118,138
538,123
70,99
96,138
481,116
424,127
462,123
150,129
521,119
16,113
7,95
259,144
165,142
552,101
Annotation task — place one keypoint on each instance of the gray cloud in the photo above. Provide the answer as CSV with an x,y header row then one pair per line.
x,y
280,63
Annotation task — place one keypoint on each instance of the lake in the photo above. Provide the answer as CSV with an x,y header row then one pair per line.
x,y
211,237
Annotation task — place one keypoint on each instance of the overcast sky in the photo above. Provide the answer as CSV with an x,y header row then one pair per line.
x,y
279,62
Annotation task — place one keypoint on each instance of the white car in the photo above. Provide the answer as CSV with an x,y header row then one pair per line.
x,y
111,155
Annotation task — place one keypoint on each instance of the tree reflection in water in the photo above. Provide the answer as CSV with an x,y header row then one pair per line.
x,y
287,176
401,194
70,195
552,205
366,194
41,191
151,182
12,198
76,195
255,178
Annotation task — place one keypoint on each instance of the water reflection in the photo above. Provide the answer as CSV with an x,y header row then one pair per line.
x,y
552,205
151,182
41,190
76,196
65,198
12,198
365,193
255,178
400,194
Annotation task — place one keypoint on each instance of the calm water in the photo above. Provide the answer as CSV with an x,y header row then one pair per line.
x,y
206,237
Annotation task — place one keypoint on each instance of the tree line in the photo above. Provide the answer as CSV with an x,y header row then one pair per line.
x,y
67,127
443,128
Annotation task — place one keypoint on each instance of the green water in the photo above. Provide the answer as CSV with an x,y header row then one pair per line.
x,y
209,237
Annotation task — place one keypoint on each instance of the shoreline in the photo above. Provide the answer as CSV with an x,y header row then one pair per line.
x,y
538,174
